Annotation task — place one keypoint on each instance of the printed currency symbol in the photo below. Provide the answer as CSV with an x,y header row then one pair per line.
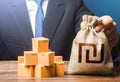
x,y
90,50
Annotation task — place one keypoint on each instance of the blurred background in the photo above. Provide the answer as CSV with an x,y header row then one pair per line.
x,y
105,7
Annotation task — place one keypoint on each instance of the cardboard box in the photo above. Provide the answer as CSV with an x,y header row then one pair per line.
x,y
20,59
26,71
46,58
59,68
40,44
30,58
58,59
44,71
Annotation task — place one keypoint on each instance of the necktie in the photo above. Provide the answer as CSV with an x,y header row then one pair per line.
x,y
39,19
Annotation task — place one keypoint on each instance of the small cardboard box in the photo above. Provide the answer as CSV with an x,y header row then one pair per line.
x,y
20,59
40,44
46,58
30,58
59,68
26,71
58,59
44,71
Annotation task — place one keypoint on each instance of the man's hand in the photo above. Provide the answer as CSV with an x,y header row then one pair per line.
x,y
109,27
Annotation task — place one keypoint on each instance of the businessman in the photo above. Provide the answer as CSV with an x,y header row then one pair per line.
x,y
62,20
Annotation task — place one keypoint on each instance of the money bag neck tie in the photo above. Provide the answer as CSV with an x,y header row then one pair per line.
x,y
39,22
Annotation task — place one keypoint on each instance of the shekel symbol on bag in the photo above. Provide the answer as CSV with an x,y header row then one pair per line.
x,y
90,49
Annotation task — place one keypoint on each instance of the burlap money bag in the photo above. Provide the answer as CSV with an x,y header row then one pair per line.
x,y
90,53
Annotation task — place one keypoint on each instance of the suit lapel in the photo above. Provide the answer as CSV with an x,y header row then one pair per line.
x,y
19,12
54,14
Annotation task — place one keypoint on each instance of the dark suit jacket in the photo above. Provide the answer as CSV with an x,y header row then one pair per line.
x,y
62,22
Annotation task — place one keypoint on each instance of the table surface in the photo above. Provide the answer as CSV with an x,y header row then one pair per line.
x,y
8,73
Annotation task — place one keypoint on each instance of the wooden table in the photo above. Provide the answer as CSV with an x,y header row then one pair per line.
x,y
8,73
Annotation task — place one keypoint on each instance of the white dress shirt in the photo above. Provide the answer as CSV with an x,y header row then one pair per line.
x,y
32,9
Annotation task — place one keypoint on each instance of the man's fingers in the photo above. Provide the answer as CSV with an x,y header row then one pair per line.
x,y
99,28
110,29
106,21
111,25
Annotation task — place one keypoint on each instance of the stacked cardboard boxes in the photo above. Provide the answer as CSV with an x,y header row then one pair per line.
x,y
40,62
